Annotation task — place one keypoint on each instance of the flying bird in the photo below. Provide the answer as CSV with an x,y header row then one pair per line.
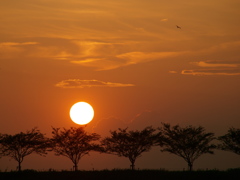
x,y
178,27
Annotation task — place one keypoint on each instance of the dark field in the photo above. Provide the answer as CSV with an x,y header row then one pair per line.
x,y
122,175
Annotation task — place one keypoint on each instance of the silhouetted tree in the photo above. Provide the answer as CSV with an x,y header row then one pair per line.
x,y
73,143
1,147
188,142
20,145
231,141
130,144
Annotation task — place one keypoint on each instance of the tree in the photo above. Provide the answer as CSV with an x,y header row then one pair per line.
x,y
73,143
1,147
22,144
130,144
231,141
188,142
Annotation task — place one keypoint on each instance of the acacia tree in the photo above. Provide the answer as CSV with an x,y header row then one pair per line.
x,y
231,141
188,142
22,144
130,144
73,143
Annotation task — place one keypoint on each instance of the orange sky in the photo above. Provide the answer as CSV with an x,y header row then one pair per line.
x,y
129,61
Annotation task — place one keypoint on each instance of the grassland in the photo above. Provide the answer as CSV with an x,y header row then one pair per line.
x,y
123,175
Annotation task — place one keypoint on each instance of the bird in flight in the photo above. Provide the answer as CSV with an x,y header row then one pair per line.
x,y
178,27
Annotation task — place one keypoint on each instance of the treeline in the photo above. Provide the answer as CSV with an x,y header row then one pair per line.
x,y
187,142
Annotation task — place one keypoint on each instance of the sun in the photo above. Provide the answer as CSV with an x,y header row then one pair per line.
x,y
81,113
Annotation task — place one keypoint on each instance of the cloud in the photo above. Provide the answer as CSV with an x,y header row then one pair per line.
x,y
138,57
211,72
164,20
124,59
78,83
14,49
96,54
216,64
223,68
112,55
17,43
88,61
173,72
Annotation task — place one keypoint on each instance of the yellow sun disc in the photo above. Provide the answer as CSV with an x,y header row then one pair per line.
x,y
81,113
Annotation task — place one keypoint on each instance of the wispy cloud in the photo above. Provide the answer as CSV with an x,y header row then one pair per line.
x,y
134,57
173,72
217,64
17,43
227,68
228,65
212,72
78,83
138,57
164,20
113,61
15,49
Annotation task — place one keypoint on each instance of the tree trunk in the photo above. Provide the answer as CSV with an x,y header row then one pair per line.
x,y
75,167
19,166
190,166
133,165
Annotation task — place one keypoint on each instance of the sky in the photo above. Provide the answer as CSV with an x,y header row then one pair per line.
x,y
128,59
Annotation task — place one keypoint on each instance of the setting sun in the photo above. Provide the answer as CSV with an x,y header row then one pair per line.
x,y
81,113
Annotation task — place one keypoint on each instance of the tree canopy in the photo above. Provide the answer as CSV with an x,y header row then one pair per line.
x,y
73,143
231,141
22,144
187,142
130,144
